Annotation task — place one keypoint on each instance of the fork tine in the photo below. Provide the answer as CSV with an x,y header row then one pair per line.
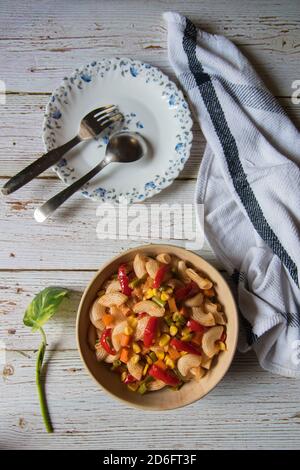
x,y
98,110
111,119
107,116
108,109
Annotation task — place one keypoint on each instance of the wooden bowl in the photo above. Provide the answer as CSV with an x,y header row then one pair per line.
x,y
164,399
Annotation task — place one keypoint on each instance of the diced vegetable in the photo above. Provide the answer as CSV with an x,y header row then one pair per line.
x,y
150,331
188,290
124,280
173,353
133,387
164,375
169,362
125,340
164,340
129,379
177,317
132,320
184,346
158,301
160,355
142,389
136,282
173,330
124,356
223,337
107,319
145,370
160,274
209,292
168,321
221,345
160,363
164,296
128,330
152,356
135,358
195,326
136,348
197,338
106,343
172,305
116,364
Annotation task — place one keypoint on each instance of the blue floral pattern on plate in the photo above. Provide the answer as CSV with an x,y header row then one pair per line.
x,y
174,98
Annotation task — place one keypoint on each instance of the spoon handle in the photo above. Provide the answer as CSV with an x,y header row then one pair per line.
x,y
43,212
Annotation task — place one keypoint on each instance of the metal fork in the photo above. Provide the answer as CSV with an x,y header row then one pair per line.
x,y
90,127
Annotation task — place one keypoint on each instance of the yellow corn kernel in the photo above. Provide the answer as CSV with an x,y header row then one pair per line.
x,y
186,337
164,296
136,348
164,340
221,346
132,321
128,330
145,370
173,330
169,362
149,294
160,355
123,376
135,358
149,360
186,331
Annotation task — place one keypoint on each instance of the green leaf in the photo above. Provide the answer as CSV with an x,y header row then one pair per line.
x,y
43,307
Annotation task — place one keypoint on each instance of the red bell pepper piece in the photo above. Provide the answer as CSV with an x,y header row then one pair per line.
x,y
223,337
160,276
124,280
195,326
187,291
129,379
150,331
184,346
166,376
142,315
105,341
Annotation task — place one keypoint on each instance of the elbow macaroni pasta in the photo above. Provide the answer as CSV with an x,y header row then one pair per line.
x,y
158,323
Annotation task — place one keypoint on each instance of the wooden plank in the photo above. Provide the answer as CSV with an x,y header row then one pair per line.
x,y
249,409
21,134
39,48
69,240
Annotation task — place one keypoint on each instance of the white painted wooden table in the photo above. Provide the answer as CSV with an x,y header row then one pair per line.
x,y
40,42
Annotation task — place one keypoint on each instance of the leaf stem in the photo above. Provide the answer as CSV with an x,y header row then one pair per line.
x,y
40,388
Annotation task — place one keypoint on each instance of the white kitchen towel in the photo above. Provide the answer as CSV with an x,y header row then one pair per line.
x,y
249,183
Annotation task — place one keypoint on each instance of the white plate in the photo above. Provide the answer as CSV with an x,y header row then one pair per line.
x,y
151,104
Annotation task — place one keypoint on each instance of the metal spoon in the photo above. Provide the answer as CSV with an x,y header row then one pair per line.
x,y
123,147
